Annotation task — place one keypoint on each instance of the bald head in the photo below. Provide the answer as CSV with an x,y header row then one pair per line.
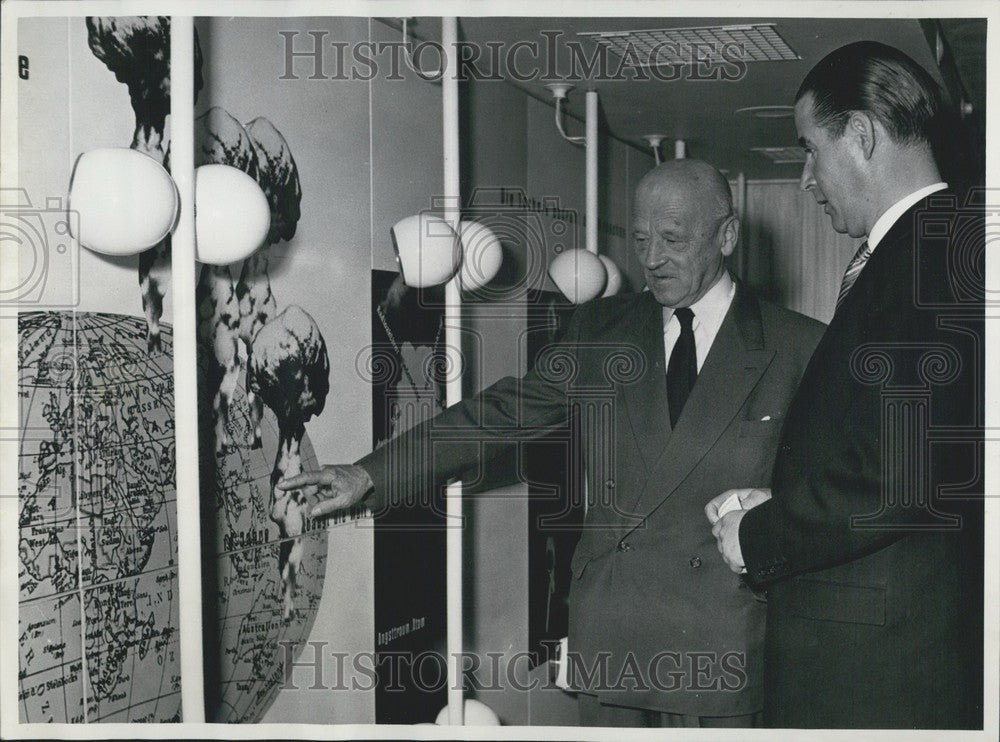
x,y
694,177
683,228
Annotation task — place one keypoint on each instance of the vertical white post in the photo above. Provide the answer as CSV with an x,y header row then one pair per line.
x,y
186,371
453,388
680,150
591,142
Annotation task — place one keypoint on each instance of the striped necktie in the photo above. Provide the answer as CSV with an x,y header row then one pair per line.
x,y
853,271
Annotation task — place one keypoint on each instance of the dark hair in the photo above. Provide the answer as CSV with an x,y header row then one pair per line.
x,y
872,77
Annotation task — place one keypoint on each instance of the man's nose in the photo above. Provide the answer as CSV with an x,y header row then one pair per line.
x,y
655,255
807,181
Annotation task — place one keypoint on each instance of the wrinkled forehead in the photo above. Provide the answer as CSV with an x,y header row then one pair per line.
x,y
668,201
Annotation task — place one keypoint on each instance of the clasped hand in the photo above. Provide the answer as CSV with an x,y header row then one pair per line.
x,y
340,486
726,527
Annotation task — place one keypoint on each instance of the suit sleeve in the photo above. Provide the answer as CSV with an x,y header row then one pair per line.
x,y
408,469
829,515
810,528
857,473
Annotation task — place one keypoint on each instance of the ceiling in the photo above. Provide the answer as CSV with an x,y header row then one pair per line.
x,y
704,112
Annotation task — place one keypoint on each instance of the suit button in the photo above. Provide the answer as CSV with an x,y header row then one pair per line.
x,y
695,562
610,484
624,545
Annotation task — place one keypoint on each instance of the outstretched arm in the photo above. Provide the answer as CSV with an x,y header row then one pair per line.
x,y
410,466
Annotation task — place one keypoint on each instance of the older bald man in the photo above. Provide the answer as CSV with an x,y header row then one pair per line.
x,y
661,632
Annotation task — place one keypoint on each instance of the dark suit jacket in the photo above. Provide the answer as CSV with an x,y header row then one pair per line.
x,y
656,618
875,592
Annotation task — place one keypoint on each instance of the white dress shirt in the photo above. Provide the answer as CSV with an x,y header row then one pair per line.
x,y
891,215
709,311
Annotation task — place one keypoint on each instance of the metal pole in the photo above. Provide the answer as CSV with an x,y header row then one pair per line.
x,y
591,141
186,371
453,386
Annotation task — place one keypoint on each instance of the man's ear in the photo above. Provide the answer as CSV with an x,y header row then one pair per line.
x,y
862,129
730,229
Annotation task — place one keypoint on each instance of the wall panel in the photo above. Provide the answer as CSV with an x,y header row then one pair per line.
x,y
325,269
793,256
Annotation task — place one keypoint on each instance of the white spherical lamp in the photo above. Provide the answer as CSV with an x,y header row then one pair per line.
x,y
427,249
123,201
614,282
477,714
579,274
482,255
232,215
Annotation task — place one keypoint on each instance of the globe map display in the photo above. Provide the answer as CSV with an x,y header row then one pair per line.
x,y
98,564
254,637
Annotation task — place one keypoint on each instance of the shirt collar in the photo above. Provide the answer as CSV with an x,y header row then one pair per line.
x,y
891,215
712,307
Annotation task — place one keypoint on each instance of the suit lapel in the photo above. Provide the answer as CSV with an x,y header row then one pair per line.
x,y
646,399
732,369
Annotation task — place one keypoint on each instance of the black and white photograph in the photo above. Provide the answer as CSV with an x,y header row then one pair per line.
x,y
487,371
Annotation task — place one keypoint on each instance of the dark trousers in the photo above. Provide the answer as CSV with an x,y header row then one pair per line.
x,y
593,713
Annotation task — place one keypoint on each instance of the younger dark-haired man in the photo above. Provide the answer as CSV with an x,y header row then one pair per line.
x,y
871,547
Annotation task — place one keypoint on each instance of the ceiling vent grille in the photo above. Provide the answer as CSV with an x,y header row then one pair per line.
x,y
782,155
759,42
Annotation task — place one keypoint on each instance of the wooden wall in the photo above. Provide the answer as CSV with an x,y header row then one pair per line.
x,y
790,253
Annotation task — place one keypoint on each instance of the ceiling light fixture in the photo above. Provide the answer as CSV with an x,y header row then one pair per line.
x,y
768,112
782,155
758,42
654,141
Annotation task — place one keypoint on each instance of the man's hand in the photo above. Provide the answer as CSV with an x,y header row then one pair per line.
x,y
727,533
341,485
745,499
725,512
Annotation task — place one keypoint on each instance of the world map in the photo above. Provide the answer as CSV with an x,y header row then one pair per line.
x,y
98,612
255,641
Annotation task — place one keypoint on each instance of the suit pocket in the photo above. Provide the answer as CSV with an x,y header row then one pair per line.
x,y
823,600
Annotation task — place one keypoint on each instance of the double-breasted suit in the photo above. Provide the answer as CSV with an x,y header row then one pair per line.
x,y
657,620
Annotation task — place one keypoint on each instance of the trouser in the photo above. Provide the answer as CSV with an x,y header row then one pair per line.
x,y
593,713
